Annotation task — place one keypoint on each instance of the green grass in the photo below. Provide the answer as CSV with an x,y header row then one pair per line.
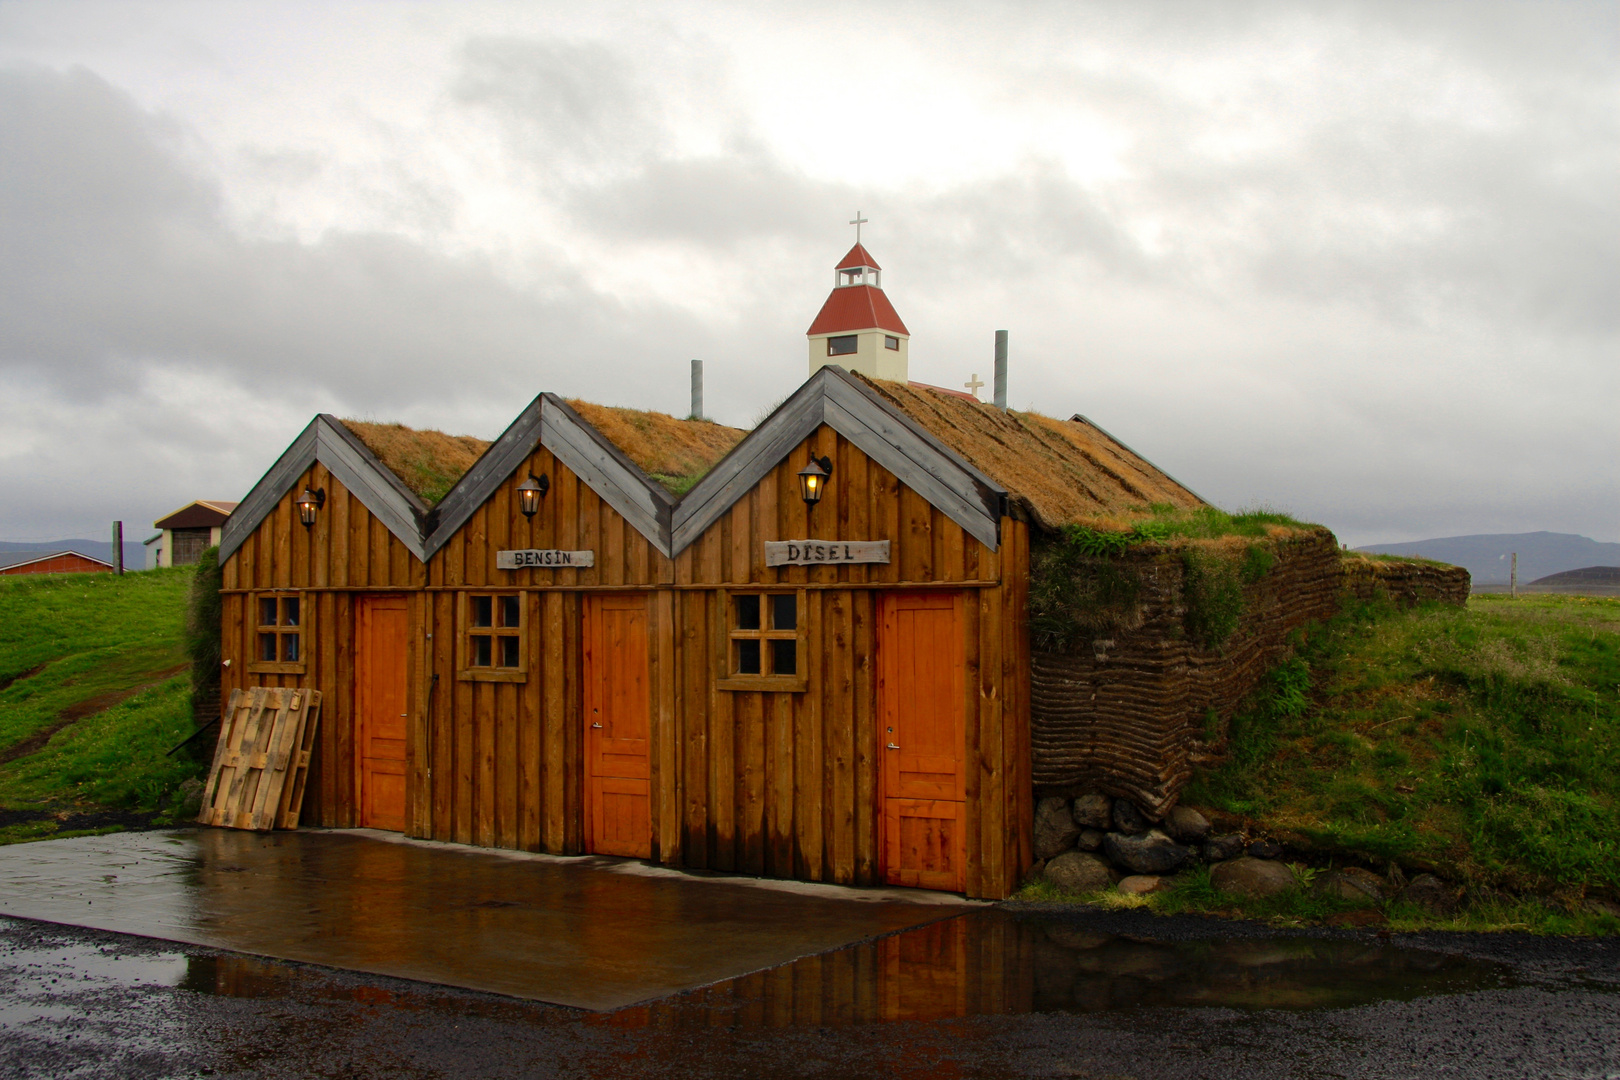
x,y
1193,893
75,643
115,759
1483,743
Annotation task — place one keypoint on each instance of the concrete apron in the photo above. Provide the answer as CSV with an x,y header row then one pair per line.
x,y
590,932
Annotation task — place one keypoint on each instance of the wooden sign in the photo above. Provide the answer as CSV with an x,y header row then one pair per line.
x,y
543,557
825,552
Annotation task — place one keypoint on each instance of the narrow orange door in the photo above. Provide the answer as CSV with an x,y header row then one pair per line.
x,y
381,637
618,703
922,740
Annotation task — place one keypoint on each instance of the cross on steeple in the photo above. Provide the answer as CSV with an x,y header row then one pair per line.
x,y
858,222
974,384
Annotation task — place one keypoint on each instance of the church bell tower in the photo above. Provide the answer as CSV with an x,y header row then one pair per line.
x,y
858,329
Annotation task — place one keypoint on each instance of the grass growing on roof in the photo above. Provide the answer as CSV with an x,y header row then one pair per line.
x,y
675,453
428,462
1483,742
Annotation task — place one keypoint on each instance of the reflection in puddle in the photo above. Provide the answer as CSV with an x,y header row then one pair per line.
x,y
984,963
993,963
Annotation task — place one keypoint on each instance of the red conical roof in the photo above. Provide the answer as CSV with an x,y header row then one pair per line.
x,y
857,307
858,256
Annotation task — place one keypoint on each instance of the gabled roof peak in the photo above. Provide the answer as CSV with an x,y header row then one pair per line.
x,y
858,256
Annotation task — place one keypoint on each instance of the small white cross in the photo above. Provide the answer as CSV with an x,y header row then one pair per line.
x,y
858,222
973,385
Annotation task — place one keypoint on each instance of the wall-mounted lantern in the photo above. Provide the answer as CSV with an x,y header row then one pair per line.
x,y
308,503
813,478
530,492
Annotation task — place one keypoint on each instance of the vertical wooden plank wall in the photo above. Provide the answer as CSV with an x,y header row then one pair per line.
x,y
777,784
785,784
508,765
346,551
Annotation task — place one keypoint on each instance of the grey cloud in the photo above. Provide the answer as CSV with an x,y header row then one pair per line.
x,y
562,103
114,254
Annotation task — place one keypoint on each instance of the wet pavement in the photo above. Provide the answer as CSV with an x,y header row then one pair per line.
x,y
985,994
972,991
592,933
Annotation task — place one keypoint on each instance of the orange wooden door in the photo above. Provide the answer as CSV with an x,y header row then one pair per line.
x,y
382,626
618,704
922,740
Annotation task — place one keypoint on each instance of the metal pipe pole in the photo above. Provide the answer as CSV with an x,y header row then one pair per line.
x,y
697,389
1001,369
118,547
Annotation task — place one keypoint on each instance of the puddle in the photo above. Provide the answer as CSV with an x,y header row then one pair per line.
x,y
984,963
979,964
992,963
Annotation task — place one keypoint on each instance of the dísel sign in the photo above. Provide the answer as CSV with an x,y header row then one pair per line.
x,y
825,552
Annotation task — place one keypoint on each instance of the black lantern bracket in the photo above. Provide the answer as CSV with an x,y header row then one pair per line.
x,y
308,503
813,479
530,492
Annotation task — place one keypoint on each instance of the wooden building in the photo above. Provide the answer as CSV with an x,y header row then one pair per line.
x,y
800,651
51,562
188,532
733,678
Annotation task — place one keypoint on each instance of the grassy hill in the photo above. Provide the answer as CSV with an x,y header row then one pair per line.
x,y
1478,744
94,690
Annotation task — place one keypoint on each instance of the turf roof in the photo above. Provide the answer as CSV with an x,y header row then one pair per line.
x,y
1060,472
675,453
428,462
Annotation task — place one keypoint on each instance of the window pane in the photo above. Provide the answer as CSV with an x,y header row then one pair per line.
x,y
509,652
747,657
842,346
891,343
785,612
267,647
510,612
748,613
267,612
289,648
480,650
289,611
784,657
483,610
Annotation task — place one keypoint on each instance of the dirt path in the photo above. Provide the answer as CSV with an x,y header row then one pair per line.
x,y
34,743
29,674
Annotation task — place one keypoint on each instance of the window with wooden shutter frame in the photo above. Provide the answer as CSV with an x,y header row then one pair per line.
x,y
763,641
280,621
492,640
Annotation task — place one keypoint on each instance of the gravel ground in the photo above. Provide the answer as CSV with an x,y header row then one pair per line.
x,y
83,1003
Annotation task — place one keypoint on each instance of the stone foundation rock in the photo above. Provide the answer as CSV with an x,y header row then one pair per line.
x,y
1079,872
1253,878
1151,853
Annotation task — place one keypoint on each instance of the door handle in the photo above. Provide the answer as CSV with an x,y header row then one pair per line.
x,y
596,725
892,746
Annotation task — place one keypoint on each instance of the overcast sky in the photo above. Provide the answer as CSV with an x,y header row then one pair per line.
x,y
1356,261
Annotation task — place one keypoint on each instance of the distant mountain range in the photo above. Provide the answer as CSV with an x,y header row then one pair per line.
x,y
134,551
1487,558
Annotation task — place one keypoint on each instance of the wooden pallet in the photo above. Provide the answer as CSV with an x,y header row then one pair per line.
x,y
257,781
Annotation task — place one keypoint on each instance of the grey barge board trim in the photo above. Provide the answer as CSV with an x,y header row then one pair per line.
x,y
327,441
834,397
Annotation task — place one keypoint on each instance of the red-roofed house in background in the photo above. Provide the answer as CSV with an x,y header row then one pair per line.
x,y
858,329
50,562
189,531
